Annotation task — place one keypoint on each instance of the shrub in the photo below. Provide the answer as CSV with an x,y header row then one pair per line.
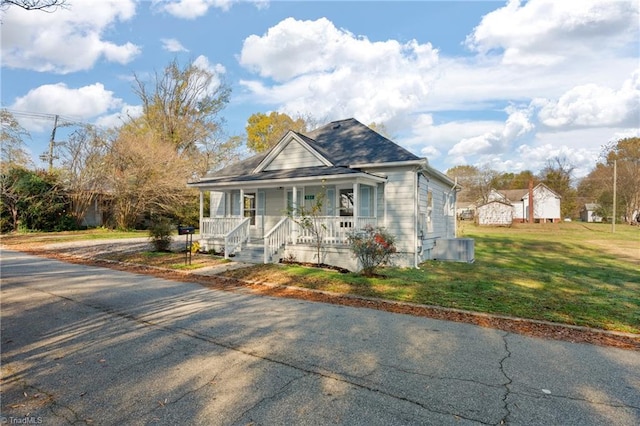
x,y
160,234
373,247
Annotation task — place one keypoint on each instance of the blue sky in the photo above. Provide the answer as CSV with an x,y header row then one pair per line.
x,y
505,85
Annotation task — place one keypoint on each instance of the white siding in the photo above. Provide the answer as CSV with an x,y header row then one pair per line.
x,y
217,207
294,156
400,199
495,213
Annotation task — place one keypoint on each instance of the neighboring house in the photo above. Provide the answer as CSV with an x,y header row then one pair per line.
x,y
366,179
587,213
496,212
546,203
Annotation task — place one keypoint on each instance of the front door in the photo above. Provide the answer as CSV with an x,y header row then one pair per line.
x,y
249,206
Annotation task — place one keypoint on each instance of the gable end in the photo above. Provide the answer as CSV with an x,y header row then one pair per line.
x,y
291,153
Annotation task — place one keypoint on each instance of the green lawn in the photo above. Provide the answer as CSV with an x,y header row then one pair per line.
x,y
571,273
17,238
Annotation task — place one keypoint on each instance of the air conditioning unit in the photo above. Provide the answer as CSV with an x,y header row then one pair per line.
x,y
454,250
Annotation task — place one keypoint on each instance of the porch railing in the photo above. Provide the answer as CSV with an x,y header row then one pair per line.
x,y
236,237
335,228
276,238
219,226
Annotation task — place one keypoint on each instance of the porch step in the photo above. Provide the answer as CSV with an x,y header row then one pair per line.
x,y
250,253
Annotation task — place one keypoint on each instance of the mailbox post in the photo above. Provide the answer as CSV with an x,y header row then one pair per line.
x,y
188,232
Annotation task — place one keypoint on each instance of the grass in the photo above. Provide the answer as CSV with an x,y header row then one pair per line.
x,y
571,273
169,260
18,238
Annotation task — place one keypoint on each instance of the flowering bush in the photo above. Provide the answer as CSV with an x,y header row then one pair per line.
x,y
372,246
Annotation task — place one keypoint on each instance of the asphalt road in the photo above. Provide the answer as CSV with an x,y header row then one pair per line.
x,y
87,345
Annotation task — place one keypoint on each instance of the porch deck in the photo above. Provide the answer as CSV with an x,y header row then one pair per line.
x,y
230,234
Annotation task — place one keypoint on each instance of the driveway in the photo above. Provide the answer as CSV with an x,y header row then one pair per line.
x,y
88,345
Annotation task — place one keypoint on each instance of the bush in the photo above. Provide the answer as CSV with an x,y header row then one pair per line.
x,y
373,247
160,234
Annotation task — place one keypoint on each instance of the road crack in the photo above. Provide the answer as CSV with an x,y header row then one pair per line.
x,y
509,381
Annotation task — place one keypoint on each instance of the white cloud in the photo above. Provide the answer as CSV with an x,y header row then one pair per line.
x,y
551,67
71,39
330,72
83,103
216,70
546,32
583,160
592,105
117,119
173,45
192,9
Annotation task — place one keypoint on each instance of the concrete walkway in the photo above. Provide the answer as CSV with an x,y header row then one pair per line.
x,y
88,345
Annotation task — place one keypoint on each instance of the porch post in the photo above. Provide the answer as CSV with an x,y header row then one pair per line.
x,y
201,210
241,203
375,203
356,207
210,204
294,212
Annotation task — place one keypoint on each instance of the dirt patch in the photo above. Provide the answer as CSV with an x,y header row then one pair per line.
x,y
532,328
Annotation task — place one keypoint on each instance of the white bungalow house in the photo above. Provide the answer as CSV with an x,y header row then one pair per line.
x,y
366,179
546,203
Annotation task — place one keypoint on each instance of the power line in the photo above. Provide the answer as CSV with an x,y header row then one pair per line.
x,y
63,120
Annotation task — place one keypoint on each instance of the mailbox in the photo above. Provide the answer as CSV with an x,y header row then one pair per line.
x,y
186,230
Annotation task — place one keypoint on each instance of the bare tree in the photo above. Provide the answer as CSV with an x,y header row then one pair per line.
x,y
183,106
147,175
13,151
49,6
84,168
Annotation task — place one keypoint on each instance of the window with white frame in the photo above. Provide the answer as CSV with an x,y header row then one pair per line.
x,y
331,202
366,201
429,213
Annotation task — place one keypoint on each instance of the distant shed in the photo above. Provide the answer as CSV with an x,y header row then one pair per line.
x,y
495,212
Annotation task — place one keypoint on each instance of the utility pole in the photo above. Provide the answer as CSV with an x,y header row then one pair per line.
x,y
615,185
52,143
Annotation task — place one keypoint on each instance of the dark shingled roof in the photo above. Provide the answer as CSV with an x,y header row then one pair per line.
x,y
343,143
348,142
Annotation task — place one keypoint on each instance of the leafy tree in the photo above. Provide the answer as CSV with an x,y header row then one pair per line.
x,y
160,234
514,180
33,200
264,131
558,175
12,136
626,154
468,178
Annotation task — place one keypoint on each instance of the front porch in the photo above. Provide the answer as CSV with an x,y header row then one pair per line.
x,y
232,235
